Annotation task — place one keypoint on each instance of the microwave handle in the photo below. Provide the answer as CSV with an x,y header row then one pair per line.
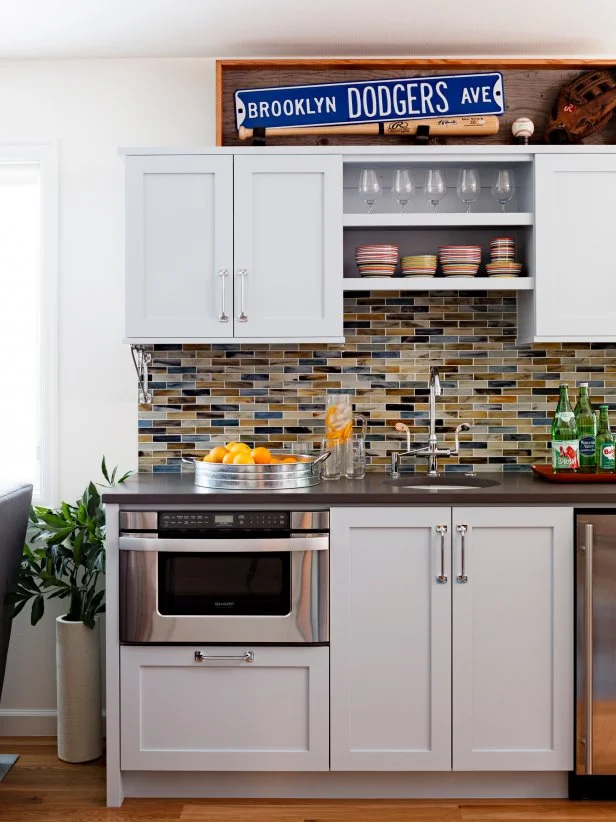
x,y
299,542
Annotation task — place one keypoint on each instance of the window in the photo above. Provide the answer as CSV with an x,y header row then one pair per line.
x,y
28,280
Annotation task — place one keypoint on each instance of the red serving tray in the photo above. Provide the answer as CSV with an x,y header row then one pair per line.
x,y
546,472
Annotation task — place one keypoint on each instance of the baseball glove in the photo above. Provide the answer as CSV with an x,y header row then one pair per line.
x,y
582,107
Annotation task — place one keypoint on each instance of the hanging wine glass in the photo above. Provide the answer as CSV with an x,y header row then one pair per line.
x,y
468,187
402,187
369,187
503,187
434,187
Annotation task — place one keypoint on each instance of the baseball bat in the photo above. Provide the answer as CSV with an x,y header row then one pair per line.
x,y
439,126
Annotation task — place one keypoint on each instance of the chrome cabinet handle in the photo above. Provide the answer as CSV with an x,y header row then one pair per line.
x,y
242,273
248,656
223,317
462,530
588,643
442,530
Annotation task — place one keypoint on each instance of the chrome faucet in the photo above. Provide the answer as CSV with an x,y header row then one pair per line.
x,y
431,450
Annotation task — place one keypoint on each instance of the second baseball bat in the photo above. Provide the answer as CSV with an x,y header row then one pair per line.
x,y
439,126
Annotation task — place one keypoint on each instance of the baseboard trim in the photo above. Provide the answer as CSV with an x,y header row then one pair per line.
x,y
27,722
31,722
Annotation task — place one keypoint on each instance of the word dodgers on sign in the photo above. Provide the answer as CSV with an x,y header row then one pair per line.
x,y
370,101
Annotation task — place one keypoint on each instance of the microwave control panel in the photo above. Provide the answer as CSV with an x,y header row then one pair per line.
x,y
223,520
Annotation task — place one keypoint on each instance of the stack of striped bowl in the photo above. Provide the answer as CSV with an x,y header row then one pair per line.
x,y
376,260
418,265
502,252
460,260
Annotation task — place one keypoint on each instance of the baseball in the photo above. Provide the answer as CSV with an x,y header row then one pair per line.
x,y
523,129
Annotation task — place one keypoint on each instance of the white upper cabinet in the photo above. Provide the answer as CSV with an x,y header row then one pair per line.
x,y
513,639
179,241
575,207
390,640
221,247
288,246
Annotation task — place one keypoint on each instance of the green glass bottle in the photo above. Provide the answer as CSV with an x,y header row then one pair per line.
x,y
605,443
587,431
565,442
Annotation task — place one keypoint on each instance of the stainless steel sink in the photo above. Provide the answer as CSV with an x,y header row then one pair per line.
x,y
452,482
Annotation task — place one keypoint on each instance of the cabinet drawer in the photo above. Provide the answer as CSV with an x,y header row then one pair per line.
x,y
271,714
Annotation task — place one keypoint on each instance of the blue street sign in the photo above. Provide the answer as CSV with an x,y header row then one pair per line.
x,y
371,101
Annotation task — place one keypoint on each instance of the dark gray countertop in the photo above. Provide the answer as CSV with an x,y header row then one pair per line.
x,y
513,489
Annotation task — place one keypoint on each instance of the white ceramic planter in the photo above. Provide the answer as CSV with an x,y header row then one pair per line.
x,y
78,678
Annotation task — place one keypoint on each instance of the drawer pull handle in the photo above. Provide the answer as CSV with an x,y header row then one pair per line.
x,y
442,530
462,530
248,656
223,317
242,316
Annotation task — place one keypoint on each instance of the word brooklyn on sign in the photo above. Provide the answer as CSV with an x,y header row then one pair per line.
x,y
371,101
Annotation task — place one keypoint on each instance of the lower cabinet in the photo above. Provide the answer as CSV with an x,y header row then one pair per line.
x,y
512,639
390,639
271,714
462,663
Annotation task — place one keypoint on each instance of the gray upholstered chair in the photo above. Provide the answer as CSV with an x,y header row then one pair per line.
x,y
14,509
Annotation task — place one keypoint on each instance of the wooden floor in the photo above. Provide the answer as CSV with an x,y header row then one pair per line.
x,y
40,788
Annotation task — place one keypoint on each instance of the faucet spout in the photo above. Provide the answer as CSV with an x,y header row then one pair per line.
x,y
432,450
435,391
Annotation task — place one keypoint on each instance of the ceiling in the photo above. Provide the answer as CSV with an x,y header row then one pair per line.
x,y
306,28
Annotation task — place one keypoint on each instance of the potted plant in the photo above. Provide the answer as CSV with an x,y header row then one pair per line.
x,y
65,559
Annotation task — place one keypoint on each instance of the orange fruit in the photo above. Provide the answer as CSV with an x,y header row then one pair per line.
x,y
262,455
217,454
243,459
229,445
275,461
228,458
290,460
239,448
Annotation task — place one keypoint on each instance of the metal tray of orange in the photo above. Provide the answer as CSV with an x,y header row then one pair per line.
x,y
260,477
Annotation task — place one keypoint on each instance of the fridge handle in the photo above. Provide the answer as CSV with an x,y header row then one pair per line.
x,y
588,642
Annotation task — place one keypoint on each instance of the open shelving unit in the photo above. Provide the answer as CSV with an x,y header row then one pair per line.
x,y
419,230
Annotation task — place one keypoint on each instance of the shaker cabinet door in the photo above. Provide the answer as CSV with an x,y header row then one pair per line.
x,y
227,714
390,640
179,243
288,247
512,639
575,214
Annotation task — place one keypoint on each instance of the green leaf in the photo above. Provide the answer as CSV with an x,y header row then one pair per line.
x,y
104,469
52,520
12,597
49,579
19,606
124,477
38,609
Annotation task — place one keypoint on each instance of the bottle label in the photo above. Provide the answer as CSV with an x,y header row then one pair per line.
x,y
565,455
588,446
607,457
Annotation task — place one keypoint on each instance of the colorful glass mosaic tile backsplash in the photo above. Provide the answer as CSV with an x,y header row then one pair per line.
x,y
275,394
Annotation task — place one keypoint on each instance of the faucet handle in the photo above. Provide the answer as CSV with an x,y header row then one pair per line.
x,y
400,426
464,426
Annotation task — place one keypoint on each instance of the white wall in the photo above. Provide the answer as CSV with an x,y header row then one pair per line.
x,y
91,107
